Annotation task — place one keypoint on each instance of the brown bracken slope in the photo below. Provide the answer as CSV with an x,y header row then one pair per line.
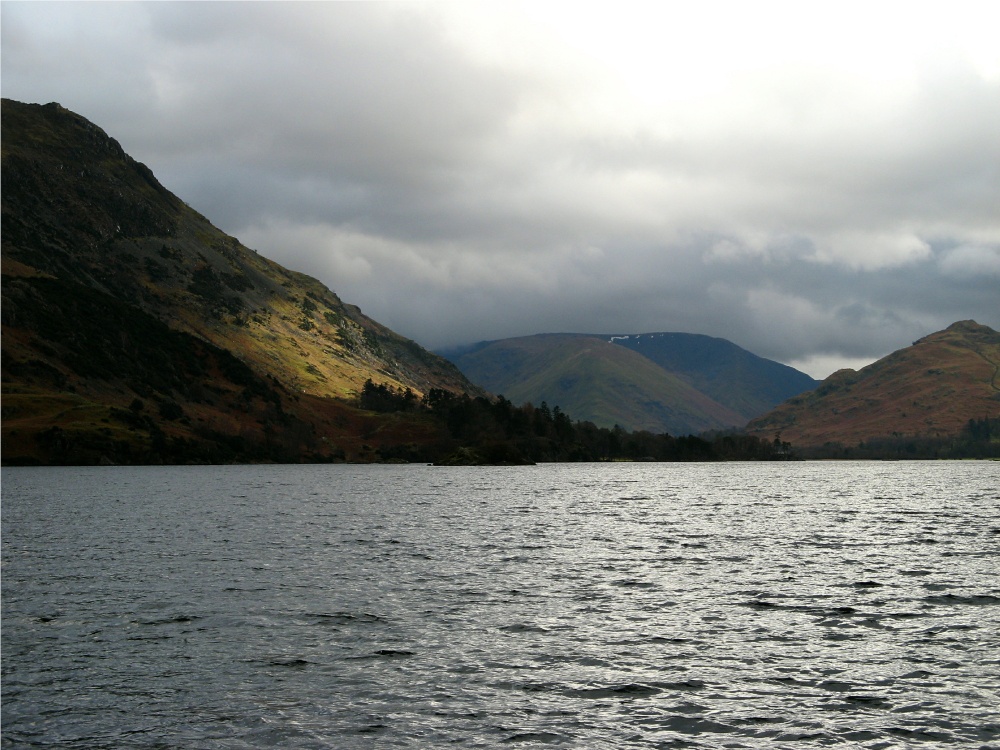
x,y
930,389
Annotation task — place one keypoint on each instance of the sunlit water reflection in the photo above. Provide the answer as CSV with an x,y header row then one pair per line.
x,y
590,606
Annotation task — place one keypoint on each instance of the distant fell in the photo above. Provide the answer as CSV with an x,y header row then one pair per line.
x,y
727,373
675,383
930,389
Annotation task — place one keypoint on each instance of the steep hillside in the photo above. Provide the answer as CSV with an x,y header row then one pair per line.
x,y
720,369
932,388
591,379
117,296
75,206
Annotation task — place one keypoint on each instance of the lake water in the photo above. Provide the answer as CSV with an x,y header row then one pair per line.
x,y
581,606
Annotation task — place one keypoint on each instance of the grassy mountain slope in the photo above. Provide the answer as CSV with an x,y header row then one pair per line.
x,y
89,379
727,373
591,379
134,330
932,388
75,206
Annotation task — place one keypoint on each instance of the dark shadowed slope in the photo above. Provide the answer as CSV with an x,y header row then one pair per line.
x,y
720,369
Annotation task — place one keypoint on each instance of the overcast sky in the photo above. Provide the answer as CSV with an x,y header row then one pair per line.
x,y
817,182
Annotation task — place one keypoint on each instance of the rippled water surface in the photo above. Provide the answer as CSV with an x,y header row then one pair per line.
x,y
585,606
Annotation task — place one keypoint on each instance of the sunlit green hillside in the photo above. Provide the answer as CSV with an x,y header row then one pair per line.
x,y
133,329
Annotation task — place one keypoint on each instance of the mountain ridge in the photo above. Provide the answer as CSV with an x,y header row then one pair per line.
x,y
265,362
184,270
721,369
619,379
931,389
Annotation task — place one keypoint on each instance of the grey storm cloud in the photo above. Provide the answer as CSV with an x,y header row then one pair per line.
x,y
820,189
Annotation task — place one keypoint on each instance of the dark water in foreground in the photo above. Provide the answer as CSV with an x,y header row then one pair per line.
x,y
583,606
